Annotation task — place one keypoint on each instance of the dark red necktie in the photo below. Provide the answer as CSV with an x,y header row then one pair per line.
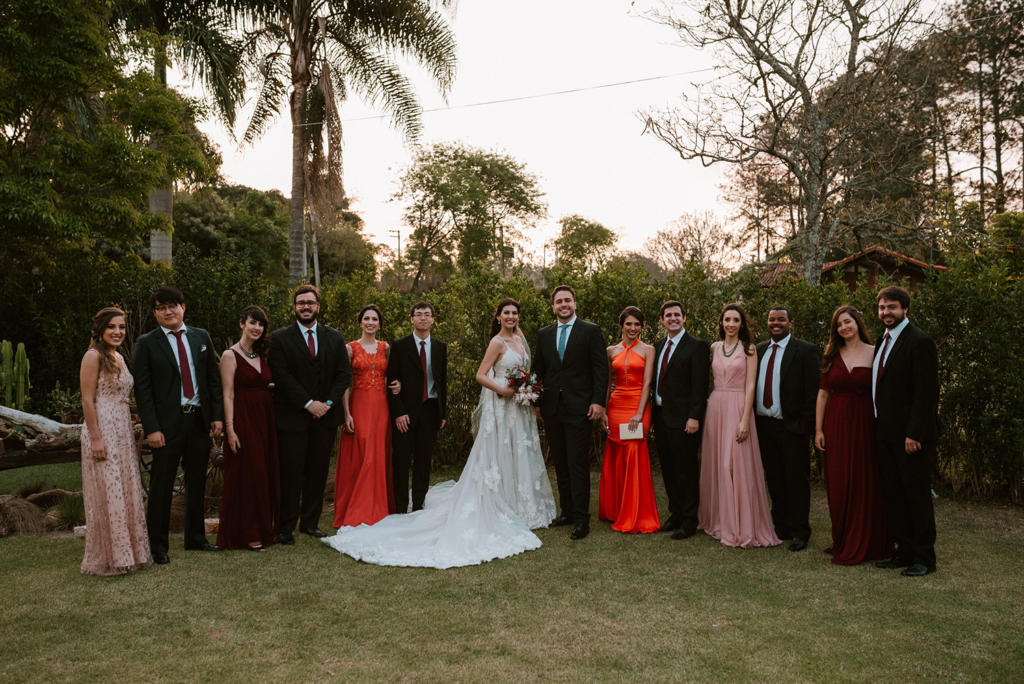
x,y
881,360
186,377
423,362
664,366
312,344
769,376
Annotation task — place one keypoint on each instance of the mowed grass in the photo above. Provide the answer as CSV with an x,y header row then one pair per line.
x,y
609,608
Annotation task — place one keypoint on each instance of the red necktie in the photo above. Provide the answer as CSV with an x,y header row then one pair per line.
x,y
186,377
423,362
312,344
881,360
769,376
664,366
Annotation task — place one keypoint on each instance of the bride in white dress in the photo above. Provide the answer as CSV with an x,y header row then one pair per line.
x,y
502,494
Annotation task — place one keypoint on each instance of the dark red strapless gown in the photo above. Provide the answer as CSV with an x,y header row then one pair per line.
x,y
856,503
627,491
362,481
250,505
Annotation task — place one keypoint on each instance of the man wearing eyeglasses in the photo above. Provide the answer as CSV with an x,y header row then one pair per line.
x,y
311,372
420,362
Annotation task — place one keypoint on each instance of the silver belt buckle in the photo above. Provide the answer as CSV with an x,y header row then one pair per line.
x,y
188,408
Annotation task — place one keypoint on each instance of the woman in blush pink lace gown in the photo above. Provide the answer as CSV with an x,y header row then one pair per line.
x,y
116,540
733,498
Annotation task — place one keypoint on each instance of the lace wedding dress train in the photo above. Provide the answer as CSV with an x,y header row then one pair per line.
x,y
502,494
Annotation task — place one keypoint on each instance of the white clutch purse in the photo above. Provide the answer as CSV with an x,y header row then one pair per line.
x,y
625,434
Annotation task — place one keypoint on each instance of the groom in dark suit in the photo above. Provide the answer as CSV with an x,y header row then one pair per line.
x,y
420,362
905,388
788,379
177,388
573,366
311,371
680,396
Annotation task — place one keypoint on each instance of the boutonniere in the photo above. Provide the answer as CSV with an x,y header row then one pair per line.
x,y
203,348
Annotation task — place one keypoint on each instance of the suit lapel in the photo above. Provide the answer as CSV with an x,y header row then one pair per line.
x,y
300,341
896,346
574,334
787,358
683,341
163,341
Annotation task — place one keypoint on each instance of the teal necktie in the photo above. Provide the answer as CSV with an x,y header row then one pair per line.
x,y
561,340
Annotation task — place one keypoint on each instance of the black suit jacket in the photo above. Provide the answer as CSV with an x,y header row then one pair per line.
x,y
907,395
299,379
158,380
405,366
684,388
798,385
581,378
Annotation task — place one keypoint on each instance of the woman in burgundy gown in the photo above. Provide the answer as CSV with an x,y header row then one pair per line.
x,y
627,490
362,481
845,432
250,505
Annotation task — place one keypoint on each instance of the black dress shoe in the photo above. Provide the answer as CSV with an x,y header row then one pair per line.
x,y
893,563
797,544
205,546
286,539
671,524
561,521
160,558
580,531
315,532
684,533
918,570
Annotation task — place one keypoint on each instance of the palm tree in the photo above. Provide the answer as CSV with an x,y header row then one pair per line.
x,y
197,36
319,50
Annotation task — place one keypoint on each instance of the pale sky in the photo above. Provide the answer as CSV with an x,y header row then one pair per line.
x,y
586,147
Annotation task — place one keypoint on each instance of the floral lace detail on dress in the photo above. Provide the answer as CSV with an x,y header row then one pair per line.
x,y
374,368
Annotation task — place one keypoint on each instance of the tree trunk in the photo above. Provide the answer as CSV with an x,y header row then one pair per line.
x,y
296,232
997,122
161,200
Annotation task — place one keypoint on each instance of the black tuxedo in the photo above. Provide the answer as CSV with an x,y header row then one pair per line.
x,y
684,395
304,442
158,392
785,444
907,407
571,385
415,446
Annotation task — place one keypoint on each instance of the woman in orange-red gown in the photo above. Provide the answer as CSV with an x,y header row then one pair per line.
x,y
362,481
627,490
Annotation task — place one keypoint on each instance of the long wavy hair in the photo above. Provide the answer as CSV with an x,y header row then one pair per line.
x,y
836,341
744,334
108,362
496,323
262,345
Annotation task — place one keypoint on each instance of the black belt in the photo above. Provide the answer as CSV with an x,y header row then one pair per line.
x,y
190,408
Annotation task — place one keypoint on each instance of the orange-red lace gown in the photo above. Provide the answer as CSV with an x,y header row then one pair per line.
x,y
627,491
362,481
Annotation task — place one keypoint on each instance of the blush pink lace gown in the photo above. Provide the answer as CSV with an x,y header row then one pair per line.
x,y
733,498
116,540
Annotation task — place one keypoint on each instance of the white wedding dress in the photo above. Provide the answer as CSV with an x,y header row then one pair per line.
x,y
502,494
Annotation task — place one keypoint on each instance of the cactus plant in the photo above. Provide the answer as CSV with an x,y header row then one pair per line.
x,y
14,368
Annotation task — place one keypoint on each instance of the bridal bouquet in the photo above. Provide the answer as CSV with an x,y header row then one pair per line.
x,y
528,388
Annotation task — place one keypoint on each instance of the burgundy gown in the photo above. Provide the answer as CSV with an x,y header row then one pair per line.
x,y
250,505
856,503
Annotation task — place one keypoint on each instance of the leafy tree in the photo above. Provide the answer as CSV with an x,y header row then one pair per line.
x,y
312,52
582,244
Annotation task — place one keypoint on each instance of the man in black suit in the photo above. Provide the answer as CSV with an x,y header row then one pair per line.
x,y
420,363
177,388
905,388
788,379
311,372
680,398
573,366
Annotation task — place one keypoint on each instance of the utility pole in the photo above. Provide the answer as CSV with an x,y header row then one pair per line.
x,y
398,234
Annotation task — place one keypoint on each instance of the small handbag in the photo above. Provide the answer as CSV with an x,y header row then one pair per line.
x,y
625,434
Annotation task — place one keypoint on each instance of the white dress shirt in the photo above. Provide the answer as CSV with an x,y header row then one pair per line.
x,y
431,390
305,339
776,410
172,340
657,369
893,334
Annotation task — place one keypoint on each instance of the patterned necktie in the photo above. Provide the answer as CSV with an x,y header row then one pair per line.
x,y
769,376
186,376
664,367
881,360
423,362
561,340
312,344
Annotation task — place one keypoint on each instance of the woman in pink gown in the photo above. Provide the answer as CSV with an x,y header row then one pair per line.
x,y
116,540
733,498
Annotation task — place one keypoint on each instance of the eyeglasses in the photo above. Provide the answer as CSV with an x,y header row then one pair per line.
x,y
306,305
164,308
423,314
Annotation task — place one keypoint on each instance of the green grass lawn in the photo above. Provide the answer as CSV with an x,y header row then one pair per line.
x,y
609,608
